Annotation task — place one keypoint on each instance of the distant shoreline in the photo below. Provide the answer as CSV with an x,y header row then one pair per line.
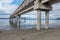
x,y
4,18
31,19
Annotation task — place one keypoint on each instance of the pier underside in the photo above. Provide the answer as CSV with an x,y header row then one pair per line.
x,y
38,5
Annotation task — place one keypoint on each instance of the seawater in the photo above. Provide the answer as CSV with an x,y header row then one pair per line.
x,y
28,24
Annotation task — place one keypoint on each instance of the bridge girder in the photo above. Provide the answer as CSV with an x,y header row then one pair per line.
x,y
27,4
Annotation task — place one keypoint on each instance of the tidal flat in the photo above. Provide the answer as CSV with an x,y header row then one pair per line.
x,y
50,34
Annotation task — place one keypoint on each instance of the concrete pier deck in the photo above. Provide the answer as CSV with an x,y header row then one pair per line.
x,y
51,34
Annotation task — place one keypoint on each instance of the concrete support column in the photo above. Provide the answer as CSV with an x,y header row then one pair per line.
x,y
38,19
16,22
47,20
12,22
19,19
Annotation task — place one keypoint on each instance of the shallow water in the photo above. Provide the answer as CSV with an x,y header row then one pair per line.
x,y
28,24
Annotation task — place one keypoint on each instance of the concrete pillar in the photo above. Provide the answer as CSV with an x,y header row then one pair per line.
x,y
38,19
19,20
12,22
47,20
16,22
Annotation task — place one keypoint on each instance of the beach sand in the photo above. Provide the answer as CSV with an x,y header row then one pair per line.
x,y
51,34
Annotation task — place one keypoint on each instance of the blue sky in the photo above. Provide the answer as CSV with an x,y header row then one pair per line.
x,y
9,6
17,2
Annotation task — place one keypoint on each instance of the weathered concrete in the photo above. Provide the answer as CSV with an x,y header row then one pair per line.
x,y
19,20
38,19
25,4
46,19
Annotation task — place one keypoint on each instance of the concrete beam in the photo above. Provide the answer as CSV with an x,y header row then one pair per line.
x,y
44,1
25,10
32,1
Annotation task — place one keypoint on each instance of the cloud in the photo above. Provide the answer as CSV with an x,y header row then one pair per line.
x,y
6,1
6,6
55,13
56,6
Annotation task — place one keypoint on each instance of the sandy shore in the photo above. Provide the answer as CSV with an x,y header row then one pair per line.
x,y
51,34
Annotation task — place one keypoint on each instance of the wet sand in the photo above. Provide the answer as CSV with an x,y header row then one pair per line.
x,y
51,34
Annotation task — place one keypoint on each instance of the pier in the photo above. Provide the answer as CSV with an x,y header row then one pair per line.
x,y
30,5
32,20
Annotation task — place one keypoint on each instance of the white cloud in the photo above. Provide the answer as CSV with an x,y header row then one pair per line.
x,y
6,6
55,13
6,1
56,6
10,8
30,14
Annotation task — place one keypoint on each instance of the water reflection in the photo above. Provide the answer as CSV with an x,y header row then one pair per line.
x,y
5,24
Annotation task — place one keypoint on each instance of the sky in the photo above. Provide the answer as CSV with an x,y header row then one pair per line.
x,y
7,7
